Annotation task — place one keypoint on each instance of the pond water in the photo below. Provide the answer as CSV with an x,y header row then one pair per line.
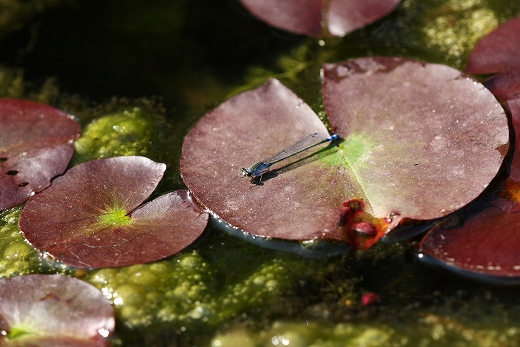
x,y
156,68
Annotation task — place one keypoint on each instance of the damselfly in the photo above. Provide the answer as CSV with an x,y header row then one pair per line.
x,y
257,170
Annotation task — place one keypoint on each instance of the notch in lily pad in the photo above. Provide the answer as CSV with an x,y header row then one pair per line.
x,y
53,310
92,216
318,17
36,144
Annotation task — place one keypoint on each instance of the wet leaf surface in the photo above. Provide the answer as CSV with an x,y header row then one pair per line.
x,y
422,140
307,17
486,245
36,144
302,202
53,310
90,217
498,52
416,145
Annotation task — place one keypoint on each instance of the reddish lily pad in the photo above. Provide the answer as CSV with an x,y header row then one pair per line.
x,y
302,203
420,141
498,52
90,217
53,311
486,245
36,144
307,17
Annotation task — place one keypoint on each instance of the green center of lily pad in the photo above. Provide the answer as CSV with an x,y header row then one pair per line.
x,y
17,332
115,217
349,151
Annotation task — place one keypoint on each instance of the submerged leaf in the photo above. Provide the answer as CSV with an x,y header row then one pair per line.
x,y
419,141
306,17
53,310
498,52
36,144
90,217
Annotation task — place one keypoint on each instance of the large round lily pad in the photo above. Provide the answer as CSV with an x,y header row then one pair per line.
x,y
90,217
36,144
422,140
53,311
320,17
419,141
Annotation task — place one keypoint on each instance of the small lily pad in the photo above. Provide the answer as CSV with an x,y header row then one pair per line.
x,y
485,247
53,311
36,144
307,17
497,52
90,217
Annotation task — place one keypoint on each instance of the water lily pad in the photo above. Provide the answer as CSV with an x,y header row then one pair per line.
x,y
419,141
36,144
307,17
53,310
422,140
497,52
486,245
303,202
90,217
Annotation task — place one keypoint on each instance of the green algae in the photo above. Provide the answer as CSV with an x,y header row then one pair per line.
x,y
454,27
430,330
17,257
191,291
309,334
132,131
11,82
